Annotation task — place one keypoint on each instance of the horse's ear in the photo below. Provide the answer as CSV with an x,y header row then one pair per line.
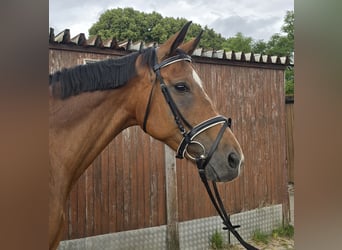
x,y
172,43
190,46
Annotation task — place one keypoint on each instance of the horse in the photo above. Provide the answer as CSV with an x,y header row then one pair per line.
x,y
156,88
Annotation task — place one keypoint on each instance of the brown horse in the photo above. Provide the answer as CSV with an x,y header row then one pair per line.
x,y
91,104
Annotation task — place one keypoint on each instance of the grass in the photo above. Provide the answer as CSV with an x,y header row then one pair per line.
x,y
216,240
260,237
286,231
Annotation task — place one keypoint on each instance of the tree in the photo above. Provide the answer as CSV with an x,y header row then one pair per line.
x,y
239,43
210,39
283,45
289,81
288,27
127,23
259,47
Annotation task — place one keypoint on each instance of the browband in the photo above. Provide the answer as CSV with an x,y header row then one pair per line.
x,y
170,60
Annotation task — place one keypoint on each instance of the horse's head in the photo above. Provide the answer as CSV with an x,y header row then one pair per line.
x,y
178,111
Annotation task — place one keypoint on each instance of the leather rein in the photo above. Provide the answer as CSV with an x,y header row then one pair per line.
x,y
188,138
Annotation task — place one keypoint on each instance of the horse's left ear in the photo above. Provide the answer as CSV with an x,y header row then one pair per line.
x,y
190,46
172,43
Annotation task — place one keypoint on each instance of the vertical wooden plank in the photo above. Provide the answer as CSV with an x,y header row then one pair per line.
x,y
179,173
89,179
81,207
66,235
97,195
134,165
126,165
161,183
147,180
237,192
112,204
126,145
104,191
172,237
268,141
153,188
140,182
183,195
260,180
73,213
119,176
190,184
199,194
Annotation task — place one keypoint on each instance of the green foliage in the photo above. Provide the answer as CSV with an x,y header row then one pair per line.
x,y
283,45
127,23
259,236
210,39
216,240
259,47
239,43
283,231
289,81
288,27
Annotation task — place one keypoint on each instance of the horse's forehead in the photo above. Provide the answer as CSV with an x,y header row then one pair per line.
x,y
197,78
189,73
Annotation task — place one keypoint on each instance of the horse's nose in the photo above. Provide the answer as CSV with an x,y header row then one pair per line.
x,y
234,160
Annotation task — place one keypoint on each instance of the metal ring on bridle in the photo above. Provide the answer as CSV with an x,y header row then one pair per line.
x,y
195,131
202,156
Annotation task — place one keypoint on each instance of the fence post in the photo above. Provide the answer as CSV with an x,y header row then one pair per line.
x,y
172,234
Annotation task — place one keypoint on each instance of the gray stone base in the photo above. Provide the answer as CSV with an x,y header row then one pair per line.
x,y
194,234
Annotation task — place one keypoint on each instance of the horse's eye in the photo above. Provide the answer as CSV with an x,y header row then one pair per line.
x,y
182,87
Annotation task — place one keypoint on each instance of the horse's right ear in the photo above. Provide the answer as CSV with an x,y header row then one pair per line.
x,y
172,43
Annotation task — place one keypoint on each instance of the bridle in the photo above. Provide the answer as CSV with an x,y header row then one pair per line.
x,y
188,136
203,159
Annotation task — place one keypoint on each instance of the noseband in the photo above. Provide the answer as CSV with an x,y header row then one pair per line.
x,y
203,159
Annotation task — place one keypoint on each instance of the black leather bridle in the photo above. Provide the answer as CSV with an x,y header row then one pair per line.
x,y
203,159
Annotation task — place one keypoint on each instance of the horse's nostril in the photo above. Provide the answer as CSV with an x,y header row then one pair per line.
x,y
233,160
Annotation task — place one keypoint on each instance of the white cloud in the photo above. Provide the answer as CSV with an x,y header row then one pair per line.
x,y
253,18
257,28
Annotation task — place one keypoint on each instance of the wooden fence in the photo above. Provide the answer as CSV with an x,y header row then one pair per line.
x,y
124,188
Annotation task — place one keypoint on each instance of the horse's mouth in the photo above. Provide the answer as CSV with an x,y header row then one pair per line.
x,y
228,175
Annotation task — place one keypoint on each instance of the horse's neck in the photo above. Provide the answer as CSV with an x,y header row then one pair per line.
x,y
81,127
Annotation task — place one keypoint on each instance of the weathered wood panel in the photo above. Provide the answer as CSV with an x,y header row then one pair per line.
x,y
115,194
254,99
124,188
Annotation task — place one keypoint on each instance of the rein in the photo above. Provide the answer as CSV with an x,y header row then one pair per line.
x,y
188,139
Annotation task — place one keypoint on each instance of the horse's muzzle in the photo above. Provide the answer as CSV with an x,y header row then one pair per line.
x,y
234,160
